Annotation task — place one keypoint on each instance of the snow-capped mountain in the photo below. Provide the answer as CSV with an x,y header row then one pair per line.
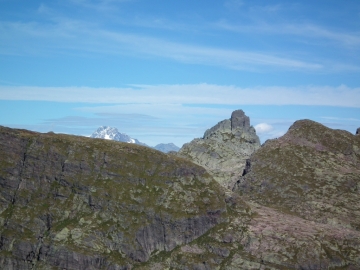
x,y
110,133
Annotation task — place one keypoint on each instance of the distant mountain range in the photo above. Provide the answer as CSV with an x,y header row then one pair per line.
x,y
111,133
166,147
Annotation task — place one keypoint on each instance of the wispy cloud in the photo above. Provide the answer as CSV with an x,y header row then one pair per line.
x,y
68,34
340,118
179,113
344,37
233,4
191,94
99,5
62,34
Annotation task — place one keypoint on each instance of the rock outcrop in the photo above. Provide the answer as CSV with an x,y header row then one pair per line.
x,y
224,149
70,202
358,131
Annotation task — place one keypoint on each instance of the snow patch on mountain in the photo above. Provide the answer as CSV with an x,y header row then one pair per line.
x,y
110,133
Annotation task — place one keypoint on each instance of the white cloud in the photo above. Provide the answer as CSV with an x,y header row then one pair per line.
x,y
263,128
266,131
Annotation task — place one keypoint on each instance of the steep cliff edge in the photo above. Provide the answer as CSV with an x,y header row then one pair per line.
x,y
224,148
70,202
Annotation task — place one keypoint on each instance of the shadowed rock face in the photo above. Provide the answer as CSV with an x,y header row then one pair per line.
x,y
358,131
224,148
78,203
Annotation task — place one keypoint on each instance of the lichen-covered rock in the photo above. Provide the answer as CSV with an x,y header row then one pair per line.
x,y
224,149
312,171
70,202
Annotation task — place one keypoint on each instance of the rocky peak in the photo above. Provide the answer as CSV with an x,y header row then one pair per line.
x,y
358,131
239,120
224,148
238,125
111,133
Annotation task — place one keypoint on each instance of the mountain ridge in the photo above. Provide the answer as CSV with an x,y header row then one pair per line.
x,y
78,203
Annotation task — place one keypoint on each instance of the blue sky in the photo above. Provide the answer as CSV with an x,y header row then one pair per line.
x,y
165,71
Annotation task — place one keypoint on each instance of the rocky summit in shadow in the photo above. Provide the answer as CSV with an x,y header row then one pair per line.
x,y
70,202
224,148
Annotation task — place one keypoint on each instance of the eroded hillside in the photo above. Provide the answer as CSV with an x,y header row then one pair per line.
x,y
79,203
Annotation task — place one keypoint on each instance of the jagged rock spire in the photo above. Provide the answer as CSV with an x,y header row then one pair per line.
x,y
239,120
224,148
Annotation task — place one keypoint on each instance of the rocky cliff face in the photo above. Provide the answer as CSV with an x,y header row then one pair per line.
x,y
310,179
303,192
224,148
71,202
78,203
312,171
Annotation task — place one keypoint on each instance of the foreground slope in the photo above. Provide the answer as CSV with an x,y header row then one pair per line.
x,y
70,202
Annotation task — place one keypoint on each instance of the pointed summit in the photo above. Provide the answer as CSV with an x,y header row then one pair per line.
x,y
239,120
224,148
111,133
